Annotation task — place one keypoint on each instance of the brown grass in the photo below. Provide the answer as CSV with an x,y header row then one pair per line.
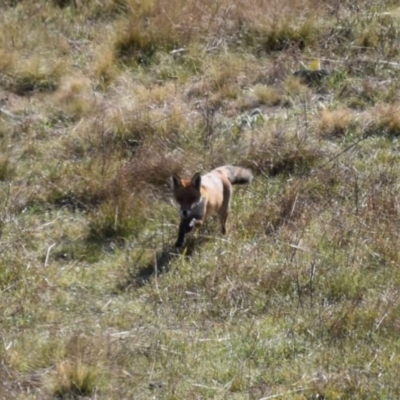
x,y
337,123
100,102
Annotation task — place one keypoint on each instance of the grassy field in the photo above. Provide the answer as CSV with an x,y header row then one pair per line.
x,y
101,101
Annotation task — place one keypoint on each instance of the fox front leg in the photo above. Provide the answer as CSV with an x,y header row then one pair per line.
x,y
186,226
181,236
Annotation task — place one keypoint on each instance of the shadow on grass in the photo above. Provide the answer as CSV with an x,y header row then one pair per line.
x,y
161,264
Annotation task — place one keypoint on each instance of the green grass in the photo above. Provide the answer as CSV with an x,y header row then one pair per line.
x,y
101,102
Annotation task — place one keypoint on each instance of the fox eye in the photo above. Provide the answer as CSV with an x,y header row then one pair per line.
x,y
186,202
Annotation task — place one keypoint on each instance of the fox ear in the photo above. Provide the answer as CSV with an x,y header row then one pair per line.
x,y
196,180
176,181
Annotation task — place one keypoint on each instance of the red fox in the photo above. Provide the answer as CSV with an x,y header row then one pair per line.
x,y
202,196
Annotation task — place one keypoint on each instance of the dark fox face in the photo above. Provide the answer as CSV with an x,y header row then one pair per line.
x,y
187,193
187,198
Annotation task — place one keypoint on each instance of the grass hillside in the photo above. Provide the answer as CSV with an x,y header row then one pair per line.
x,y
101,101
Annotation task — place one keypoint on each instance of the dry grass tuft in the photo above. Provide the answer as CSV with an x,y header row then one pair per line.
x,y
279,152
33,75
268,95
282,35
336,123
74,97
105,68
72,379
117,218
139,37
153,165
386,120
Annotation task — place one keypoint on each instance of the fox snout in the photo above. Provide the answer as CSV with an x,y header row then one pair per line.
x,y
184,213
189,212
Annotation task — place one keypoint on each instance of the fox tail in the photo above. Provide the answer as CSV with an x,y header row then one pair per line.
x,y
237,175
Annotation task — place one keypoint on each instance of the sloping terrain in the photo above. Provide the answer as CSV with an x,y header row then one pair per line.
x,y
101,101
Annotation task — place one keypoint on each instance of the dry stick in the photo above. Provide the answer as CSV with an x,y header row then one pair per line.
x,y
46,262
7,288
9,114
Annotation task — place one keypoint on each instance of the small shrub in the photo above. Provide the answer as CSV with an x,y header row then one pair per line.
x,y
267,95
225,80
283,153
117,219
132,128
33,75
387,119
140,39
73,379
282,35
152,166
74,98
336,123
105,67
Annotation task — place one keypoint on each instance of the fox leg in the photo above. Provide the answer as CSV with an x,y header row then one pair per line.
x,y
224,211
181,235
186,226
223,217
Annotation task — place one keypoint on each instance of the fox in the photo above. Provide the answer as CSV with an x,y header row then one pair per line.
x,y
202,196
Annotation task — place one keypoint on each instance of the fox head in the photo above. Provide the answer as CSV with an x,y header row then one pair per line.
x,y
187,193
